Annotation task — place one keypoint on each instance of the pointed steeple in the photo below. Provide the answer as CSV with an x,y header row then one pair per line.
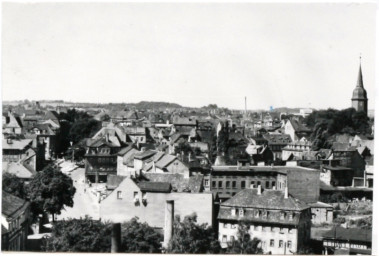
x,y
360,79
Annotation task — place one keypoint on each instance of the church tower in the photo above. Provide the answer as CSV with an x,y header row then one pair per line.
x,y
359,100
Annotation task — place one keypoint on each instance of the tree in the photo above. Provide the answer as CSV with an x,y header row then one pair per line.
x,y
190,237
139,237
14,185
50,191
223,139
244,244
79,235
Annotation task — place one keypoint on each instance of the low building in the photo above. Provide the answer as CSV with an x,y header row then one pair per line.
x,y
336,175
321,213
146,195
15,220
276,142
296,150
281,222
351,240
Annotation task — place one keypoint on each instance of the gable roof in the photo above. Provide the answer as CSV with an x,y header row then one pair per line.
x,y
17,144
113,181
299,127
12,205
20,170
269,199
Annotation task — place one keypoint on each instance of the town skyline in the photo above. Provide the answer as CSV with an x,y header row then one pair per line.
x,y
278,64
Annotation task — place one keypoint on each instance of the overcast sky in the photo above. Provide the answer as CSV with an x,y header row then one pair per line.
x,y
294,55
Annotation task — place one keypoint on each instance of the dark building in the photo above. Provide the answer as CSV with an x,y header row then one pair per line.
x,y
14,222
302,183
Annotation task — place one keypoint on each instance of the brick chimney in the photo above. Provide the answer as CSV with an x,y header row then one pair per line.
x,y
286,193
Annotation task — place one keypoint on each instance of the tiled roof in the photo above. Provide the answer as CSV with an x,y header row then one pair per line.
x,y
178,182
269,199
12,205
298,127
351,234
128,158
125,150
278,139
320,205
134,130
17,144
145,154
113,181
154,186
18,169
165,161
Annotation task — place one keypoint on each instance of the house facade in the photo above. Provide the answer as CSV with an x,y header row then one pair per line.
x,y
281,222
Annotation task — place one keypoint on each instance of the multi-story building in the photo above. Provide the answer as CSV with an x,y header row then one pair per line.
x,y
276,142
15,150
15,220
303,183
101,158
296,150
281,222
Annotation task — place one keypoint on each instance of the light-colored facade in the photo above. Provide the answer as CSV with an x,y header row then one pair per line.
x,y
281,222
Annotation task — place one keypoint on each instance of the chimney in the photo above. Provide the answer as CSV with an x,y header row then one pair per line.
x,y
169,221
107,137
116,237
154,166
259,190
286,193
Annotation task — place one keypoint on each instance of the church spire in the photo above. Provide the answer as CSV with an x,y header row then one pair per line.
x,y
360,79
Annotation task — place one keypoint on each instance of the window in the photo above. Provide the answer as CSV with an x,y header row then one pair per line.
x,y
241,212
289,244
233,226
273,184
290,216
264,215
280,243
220,184
135,196
213,184
224,238
144,196
267,184
243,184
227,184
290,230
282,215
272,243
257,213
234,184
272,229
119,194
225,225
281,230
206,183
234,211
252,184
258,183
256,228
232,239
234,193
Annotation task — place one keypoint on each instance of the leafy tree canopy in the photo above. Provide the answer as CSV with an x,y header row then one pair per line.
x,y
13,185
79,235
244,244
50,191
190,237
139,237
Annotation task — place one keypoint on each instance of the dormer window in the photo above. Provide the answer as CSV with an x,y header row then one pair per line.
x,y
241,212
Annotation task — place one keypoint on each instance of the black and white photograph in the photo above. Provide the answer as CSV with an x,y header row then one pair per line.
x,y
183,127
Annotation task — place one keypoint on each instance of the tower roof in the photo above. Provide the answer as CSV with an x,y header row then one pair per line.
x,y
359,92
